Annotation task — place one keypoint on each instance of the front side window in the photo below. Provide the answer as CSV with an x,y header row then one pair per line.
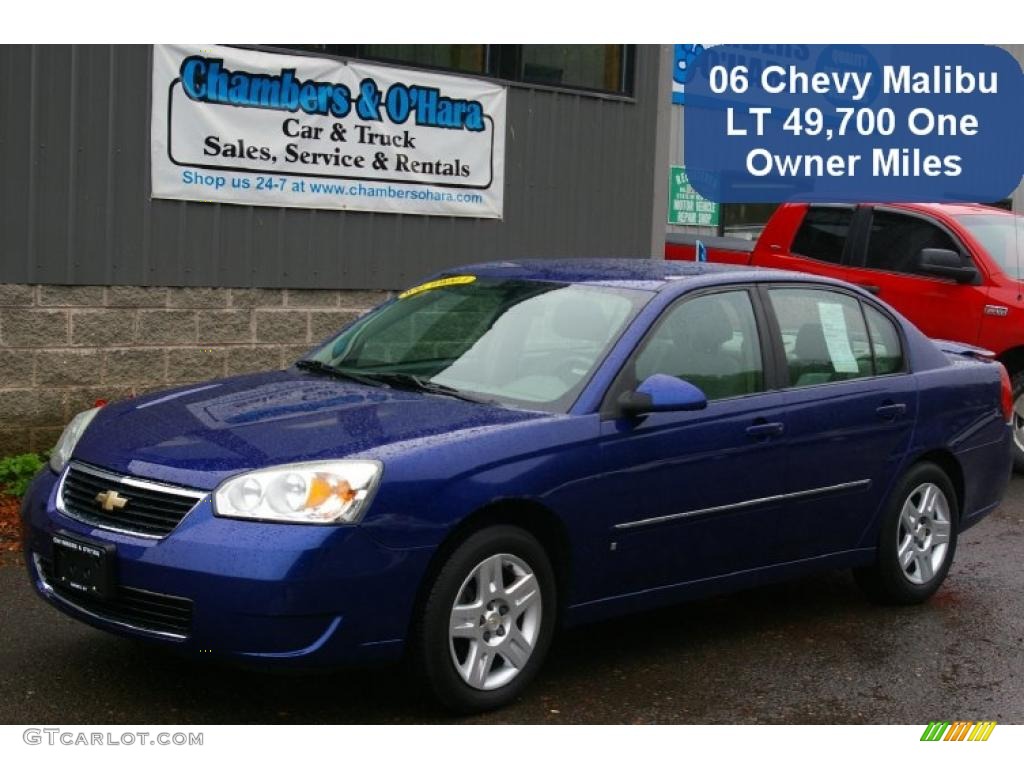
x,y
519,342
896,240
822,234
710,341
823,334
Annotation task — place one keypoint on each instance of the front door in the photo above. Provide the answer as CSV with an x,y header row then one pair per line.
x,y
940,307
681,490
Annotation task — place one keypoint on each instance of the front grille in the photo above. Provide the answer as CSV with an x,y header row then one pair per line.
x,y
150,509
136,608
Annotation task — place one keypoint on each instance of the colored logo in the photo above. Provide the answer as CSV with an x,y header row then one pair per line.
x,y
110,500
959,730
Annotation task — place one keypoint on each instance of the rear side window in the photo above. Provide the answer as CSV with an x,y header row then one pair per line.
x,y
885,340
823,233
896,240
823,334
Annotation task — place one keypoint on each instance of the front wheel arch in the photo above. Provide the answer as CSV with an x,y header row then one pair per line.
x,y
477,644
533,517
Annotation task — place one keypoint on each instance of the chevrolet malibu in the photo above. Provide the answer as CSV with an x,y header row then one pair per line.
x,y
519,446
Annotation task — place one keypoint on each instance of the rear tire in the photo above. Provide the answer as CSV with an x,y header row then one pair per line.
x,y
1017,385
917,540
487,621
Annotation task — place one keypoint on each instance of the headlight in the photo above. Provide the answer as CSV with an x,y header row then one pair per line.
x,y
69,439
313,492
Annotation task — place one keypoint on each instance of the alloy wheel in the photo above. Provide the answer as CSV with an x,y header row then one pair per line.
x,y
495,621
1018,422
922,538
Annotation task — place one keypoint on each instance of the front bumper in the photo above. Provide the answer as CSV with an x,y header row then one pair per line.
x,y
302,595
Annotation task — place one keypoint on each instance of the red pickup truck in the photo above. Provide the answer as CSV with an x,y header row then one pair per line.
x,y
954,270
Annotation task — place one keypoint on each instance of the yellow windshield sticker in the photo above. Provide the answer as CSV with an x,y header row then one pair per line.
x,y
443,283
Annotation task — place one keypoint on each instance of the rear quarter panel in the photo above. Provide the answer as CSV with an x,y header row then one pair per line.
x,y
959,411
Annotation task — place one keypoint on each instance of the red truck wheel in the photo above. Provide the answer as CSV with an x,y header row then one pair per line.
x,y
1017,383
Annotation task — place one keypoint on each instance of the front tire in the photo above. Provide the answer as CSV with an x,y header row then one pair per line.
x,y
917,540
487,621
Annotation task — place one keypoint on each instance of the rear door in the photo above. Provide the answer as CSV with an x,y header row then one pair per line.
x,y
850,407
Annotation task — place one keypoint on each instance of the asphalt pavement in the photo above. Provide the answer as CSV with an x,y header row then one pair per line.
x,y
811,651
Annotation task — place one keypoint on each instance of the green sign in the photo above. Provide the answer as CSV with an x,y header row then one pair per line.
x,y
684,205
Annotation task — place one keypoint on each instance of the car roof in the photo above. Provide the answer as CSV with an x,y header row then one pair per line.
x,y
638,273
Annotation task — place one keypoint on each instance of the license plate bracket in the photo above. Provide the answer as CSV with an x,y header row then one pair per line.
x,y
82,566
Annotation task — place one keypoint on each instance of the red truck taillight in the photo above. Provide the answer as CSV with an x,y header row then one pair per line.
x,y
1005,393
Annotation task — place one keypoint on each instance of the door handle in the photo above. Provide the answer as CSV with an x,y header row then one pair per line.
x,y
890,411
875,289
766,429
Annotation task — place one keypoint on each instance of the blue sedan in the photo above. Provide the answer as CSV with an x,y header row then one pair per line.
x,y
513,447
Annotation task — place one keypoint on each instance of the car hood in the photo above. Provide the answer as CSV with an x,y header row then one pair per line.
x,y
201,434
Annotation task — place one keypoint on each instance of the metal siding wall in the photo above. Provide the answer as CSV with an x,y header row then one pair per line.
x,y
15,178
75,206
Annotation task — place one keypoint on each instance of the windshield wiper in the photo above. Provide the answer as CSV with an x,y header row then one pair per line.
x,y
341,373
392,379
418,383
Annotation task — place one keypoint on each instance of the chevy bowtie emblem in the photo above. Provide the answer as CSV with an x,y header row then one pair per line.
x,y
109,501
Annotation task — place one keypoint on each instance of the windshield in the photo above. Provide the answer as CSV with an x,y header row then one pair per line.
x,y
1000,236
518,342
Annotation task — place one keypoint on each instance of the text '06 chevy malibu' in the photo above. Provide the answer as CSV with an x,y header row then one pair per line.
x,y
520,446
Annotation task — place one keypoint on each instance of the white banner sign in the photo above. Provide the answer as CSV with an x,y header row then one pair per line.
x,y
254,128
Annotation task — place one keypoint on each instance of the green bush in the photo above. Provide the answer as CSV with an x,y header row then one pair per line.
x,y
16,472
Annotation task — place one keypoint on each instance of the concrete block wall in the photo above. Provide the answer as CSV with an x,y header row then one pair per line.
x,y
64,347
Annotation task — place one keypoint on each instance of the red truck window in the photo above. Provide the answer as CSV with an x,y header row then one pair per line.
x,y
896,240
822,235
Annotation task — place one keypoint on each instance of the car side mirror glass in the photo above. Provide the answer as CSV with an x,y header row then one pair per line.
x,y
943,262
661,392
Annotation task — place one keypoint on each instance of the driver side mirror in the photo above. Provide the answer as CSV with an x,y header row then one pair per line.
x,y
661,392
943,262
